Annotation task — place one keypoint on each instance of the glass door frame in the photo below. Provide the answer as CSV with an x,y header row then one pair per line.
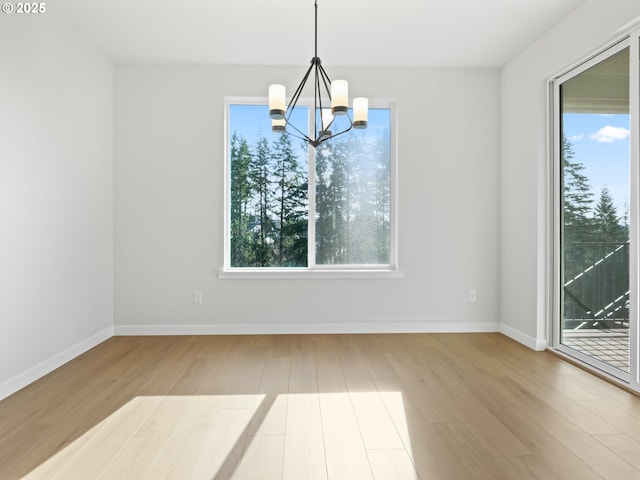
x,y
631,379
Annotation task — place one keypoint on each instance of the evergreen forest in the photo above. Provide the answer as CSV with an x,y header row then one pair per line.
x,y
269,201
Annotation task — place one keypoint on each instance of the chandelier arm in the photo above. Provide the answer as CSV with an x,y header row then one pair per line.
x,y
321,109
298,135
298,92
334,136
301,134
327,86
317,100
294,102
326,80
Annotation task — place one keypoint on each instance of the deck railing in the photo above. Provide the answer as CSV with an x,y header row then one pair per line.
x,y
596,287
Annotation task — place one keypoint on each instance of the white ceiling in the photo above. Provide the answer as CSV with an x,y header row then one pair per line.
x,y
454,33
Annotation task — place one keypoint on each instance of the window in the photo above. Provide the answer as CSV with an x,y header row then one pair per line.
x,y
596,160
293,208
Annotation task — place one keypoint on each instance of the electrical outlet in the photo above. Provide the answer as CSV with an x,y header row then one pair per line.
x,y
197,297
473,296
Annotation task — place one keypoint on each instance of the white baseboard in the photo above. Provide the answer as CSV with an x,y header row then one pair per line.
x,y
537,344
23,379
307,328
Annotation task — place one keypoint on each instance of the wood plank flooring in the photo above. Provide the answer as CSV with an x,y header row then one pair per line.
x,y
384,407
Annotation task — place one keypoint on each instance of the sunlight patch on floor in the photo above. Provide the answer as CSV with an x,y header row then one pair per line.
x,y
238,436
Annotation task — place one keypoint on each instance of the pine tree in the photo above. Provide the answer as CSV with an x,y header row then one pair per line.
x,y
323,206
239,200
577,197
259,174
332,203
606,216
607,223
577,224
290,205
370,225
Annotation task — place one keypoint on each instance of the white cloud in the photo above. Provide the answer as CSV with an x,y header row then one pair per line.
x,y
610,134
577,138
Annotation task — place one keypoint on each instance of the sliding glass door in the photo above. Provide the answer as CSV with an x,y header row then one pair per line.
x,y
596,210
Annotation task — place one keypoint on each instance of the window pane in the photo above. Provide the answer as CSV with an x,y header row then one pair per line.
x,y
353,195
595,211
268,216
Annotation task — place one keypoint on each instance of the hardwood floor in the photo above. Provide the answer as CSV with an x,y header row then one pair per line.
x,y
444,406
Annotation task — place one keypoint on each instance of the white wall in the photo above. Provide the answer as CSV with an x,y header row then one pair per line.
x,y
169,207
56,197
524,162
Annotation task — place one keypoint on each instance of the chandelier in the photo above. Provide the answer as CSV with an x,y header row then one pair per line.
x,y
326,94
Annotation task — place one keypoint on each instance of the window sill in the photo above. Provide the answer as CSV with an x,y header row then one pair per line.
x,y
283,274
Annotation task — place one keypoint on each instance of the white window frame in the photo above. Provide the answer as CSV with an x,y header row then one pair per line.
x,y
313,271
632,379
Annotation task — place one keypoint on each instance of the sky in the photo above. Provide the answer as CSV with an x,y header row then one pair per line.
x,y
601,144
252,121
